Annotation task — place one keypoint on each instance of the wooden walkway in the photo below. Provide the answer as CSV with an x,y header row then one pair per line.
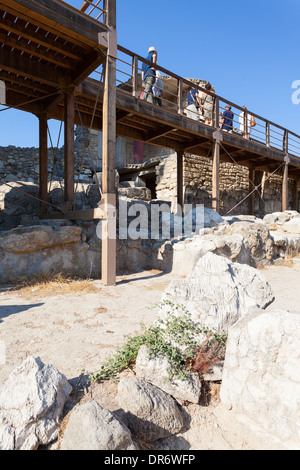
x,y
63,63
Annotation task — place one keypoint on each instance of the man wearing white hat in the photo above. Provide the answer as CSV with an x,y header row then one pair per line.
x,y
149,75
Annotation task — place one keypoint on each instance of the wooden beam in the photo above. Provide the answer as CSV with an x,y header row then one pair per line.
x,y
109,257
69,111
180,195
29,67
43,163
159,132
216,177
285,187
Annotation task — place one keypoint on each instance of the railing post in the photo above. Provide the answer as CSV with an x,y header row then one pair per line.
x,y
246,124
135,76
285,143
179,97
267,134
216,112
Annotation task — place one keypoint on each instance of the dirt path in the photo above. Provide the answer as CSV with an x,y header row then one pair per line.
x,y
76,329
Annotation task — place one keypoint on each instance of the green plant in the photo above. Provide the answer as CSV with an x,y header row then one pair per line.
x,y
176,337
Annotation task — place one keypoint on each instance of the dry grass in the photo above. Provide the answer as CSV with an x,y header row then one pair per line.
x,y
49,285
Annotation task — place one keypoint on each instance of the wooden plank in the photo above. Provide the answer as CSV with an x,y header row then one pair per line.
x,y
59,17
29,67
35,49
34,32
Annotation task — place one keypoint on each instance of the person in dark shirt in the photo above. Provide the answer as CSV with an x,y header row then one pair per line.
x,y
149,75
227,119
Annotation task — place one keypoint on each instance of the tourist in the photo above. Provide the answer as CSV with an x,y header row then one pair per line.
x,y
250,123
158,89
207,103
149,75
227,119
193,104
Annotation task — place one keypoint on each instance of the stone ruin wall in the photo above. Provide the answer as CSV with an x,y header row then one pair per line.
x,y
22,164
234,185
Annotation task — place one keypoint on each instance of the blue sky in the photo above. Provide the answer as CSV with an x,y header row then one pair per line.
x,y
247,50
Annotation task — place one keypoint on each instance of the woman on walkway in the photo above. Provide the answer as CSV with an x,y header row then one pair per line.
x,y
207,103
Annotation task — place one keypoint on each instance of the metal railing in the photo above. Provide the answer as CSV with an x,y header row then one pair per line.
x,y
173,97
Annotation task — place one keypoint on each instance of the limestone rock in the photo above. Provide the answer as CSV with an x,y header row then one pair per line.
x,y
156,371
187,253
261,376
31,402
151,413
91,427
29,239
258,239
218,292
292,226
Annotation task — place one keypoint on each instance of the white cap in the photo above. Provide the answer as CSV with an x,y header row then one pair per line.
x,y
152,49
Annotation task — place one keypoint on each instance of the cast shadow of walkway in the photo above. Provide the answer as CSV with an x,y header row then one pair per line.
x,y
7,310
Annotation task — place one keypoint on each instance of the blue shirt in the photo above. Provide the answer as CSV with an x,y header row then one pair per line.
x,y
147,68
191,97
228,118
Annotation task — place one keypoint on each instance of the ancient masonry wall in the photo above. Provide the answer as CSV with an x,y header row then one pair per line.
x,y
22,164
234,185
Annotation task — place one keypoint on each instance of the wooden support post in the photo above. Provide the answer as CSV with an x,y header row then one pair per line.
x,y
108,161
251,188
69,112
285,186
180,197
43,162
216,171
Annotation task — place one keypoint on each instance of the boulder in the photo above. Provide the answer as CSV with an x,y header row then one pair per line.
x,y
186,253
156,371
29,239
91,427
31,402
218,292
261,376
258,239
151,413
292,226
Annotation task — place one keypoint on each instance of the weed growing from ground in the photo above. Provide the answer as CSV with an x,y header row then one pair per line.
x,y
187,346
